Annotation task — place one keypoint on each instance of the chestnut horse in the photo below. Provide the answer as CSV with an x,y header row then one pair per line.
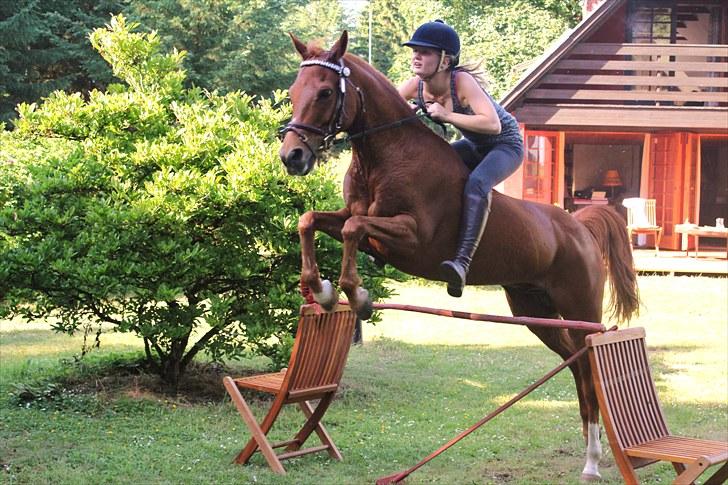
x,y
403,194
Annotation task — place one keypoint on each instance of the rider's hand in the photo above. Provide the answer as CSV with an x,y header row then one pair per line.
x,y
437,111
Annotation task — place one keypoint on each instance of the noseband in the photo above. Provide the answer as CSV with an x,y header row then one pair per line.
x,y
334,126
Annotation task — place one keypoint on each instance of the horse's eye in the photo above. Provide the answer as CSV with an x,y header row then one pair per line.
x,y
325,93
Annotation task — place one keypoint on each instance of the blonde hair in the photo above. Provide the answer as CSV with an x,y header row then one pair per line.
x,y
475,69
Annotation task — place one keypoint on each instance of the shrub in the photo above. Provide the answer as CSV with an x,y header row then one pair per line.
x,y
160,210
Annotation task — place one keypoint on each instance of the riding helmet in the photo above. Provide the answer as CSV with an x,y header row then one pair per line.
x,y
436,35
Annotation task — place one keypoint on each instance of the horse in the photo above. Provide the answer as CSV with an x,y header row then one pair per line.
x,y
402,195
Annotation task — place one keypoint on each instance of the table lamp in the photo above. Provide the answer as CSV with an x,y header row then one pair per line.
x,y
612,179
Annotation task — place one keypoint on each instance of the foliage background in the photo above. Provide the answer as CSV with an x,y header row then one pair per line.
x,y
234,45
139,187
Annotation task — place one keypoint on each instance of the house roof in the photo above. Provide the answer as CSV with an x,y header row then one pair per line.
x,y
584,83
560,49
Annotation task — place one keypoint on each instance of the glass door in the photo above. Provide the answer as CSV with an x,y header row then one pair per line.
x,y
539,167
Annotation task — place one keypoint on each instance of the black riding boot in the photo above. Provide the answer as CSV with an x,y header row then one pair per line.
x,y
472,223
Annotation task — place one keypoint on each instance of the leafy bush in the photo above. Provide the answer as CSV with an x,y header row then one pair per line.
x,y
160,210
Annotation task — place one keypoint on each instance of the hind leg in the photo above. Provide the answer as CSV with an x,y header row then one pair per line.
x,y
526,300
583,301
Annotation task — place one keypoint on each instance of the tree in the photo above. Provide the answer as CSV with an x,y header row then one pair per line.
x,y
413,15
44,47
508,39
234,45
506,35
158,210
388,33
569,11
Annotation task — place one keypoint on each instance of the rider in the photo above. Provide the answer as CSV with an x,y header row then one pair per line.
x,y
491,147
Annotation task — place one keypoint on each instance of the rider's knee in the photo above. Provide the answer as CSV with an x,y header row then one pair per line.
x,y
478,186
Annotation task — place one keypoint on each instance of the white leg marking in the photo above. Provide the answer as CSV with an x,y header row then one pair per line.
x,y
593,453
328,297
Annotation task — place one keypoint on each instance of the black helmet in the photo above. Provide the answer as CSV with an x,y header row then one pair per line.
x,y
436,35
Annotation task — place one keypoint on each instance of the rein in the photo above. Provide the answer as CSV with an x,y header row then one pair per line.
x,y
334,126
376,129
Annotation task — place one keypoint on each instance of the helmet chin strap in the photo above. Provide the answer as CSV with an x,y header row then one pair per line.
x,y
440,66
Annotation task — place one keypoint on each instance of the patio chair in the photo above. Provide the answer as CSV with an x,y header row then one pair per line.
x,y
317,362
641,219
632,416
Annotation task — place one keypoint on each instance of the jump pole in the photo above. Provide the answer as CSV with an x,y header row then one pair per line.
x,y
591,327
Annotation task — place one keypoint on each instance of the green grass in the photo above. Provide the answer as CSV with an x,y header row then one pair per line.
x,y
416,382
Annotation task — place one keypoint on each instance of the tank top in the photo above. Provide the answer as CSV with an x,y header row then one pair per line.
x,y
509,126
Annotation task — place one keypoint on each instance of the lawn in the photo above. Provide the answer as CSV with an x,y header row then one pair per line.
x,y
416,382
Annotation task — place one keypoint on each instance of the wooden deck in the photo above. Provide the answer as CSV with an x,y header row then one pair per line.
x,y
708,262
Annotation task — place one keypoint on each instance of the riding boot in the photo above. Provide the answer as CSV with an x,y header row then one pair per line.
x,y
472,223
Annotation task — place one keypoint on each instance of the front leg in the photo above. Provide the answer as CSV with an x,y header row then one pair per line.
x,y
398,234
331,223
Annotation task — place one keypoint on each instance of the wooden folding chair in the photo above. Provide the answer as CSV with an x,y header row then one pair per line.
x,y
314,371
632,416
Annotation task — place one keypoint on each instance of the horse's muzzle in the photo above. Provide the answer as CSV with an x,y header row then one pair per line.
x,y
298,161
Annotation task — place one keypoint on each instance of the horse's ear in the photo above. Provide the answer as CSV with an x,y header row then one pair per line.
x,y
339,48
300,46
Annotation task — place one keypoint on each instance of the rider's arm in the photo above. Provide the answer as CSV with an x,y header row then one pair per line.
x,y
408,89
484,118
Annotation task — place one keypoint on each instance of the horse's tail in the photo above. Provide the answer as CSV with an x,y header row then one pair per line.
x,y
610,232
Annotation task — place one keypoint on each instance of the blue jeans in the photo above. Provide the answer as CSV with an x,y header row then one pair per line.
x,y
489,165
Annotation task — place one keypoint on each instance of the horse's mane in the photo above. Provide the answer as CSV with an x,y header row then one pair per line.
x,y
314,50
376,75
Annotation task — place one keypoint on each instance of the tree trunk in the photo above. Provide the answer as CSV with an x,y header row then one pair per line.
x,y
171,373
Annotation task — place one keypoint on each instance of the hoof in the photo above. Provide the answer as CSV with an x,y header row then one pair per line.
x,y
328,297
364,305
590,478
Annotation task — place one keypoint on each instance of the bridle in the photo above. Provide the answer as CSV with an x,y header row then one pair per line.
x,y
334,125
333,128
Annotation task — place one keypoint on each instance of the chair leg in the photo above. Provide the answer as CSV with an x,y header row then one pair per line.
x,y
313,423
321,432
658,238
626,469
259,439
692,471
253,444
629,236
720,476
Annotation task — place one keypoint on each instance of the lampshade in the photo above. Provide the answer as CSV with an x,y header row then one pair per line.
x,y
612,179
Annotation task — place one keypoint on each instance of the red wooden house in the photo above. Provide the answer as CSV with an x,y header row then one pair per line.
x,y
639,87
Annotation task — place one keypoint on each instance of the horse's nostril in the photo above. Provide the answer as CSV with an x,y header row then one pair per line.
x,y
295,154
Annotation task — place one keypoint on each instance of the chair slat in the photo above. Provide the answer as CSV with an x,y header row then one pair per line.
x,y
324,347
638,414
263,382
680,449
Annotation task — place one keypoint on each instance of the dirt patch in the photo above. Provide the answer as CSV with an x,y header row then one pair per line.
x,y
200,383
